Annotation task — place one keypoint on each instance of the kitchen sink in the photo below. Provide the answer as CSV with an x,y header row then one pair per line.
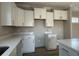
x,y
3,49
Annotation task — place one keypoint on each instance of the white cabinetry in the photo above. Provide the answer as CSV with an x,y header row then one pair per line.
x,y
60,15
28,18
11,15
64,15
14,52
7,13
43,13
20,17
49,19
24,18
66,51
39,13
19,48
17,51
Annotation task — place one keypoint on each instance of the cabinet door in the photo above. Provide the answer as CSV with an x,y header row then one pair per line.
x,y
14,14
49,19
37,13
14,52
43,13
28,18
20,17
57,14
19,49
64,15
60,15
6,13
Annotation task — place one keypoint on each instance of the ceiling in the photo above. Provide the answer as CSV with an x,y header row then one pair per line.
x,y
73,5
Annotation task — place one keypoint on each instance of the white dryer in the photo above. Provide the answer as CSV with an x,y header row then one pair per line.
x,y
50,41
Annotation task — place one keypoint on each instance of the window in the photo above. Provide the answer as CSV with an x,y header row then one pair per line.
x,y
75,20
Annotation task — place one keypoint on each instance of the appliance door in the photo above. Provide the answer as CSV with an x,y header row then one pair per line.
x,y
28,44
52,43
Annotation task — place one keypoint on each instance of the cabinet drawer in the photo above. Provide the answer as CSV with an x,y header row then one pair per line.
x,y
68,50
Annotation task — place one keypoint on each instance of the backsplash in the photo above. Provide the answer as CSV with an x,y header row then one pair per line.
x,y
39,30
4,31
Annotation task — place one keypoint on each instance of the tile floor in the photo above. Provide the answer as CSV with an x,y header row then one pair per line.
x,y
43,52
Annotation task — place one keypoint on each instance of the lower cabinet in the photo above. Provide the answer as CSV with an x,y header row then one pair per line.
x,y
17,50
14,52
66,51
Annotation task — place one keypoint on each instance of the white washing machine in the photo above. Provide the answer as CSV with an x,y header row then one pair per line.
x,y
50,41
28,43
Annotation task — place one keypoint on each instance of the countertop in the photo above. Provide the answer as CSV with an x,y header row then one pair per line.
x,y
12,42
71,43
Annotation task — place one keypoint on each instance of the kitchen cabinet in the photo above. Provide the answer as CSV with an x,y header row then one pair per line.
x,y
64,15
20,17
28,18
17,51
66,51
49,19
19,48
15,14
7,13
14,52
43,13
39,13
60,15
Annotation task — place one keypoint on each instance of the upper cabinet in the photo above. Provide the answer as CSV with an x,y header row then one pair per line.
x,y
60,15
19,21
7,13
24,18
11,15
28,18
39,13
49,19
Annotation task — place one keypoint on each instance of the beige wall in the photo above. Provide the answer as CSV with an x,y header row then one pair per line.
x,y
75,26
39,30
75,14
5,31
67,25
75,30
